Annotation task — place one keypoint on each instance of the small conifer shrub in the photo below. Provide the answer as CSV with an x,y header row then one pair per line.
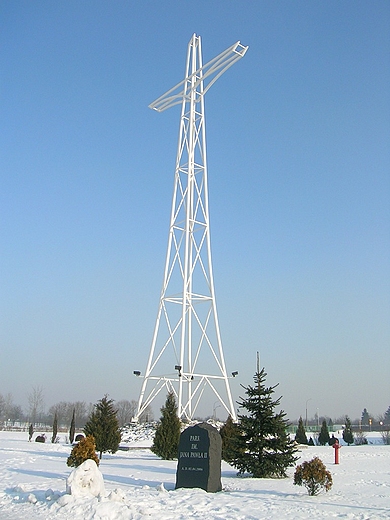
x,y
72,428
347,432
324,436
55,429
314,476
229,433
300,436
84,450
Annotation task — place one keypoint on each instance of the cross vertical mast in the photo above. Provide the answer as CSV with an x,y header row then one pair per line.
x,y
186,335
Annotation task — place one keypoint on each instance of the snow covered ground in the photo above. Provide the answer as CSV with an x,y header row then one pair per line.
x,y
138,485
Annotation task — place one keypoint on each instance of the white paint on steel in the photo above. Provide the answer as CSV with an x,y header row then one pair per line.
x,y
186,334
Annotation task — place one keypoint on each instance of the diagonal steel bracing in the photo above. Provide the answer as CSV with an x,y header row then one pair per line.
x,y
186,354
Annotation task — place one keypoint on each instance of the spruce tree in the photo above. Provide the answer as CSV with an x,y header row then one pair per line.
x,y
365,417
300,436
72,428
55,428
263,447
229,433
324,437
347,432
104,427
166,440
387,417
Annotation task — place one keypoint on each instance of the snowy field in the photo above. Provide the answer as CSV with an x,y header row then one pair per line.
x,y
138,485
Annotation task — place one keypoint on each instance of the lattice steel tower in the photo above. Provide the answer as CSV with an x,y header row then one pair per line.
x,y
186,354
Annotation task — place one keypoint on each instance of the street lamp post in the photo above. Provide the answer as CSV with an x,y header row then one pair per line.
x,y
307,400
215,406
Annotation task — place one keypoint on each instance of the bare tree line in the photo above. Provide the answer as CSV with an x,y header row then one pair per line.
x,y
11,413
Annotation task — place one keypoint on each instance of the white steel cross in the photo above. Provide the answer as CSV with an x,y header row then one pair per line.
x,y
186,355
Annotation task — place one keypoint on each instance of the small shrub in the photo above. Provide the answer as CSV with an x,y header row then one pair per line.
x,y
83,451
55,429
323,437
386,437
72,428
314,476
360,438
229,433
347,432
300,436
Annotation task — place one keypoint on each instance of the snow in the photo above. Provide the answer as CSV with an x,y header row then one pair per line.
x,y
86,480
137,484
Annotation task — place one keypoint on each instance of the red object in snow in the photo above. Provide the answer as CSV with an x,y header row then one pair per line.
x,y
336,447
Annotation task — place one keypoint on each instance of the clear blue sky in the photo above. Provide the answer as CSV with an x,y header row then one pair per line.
x,y
298,136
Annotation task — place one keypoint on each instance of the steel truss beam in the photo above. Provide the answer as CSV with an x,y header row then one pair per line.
x,y
186,334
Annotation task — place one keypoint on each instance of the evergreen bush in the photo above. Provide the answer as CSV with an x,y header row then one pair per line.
x,y
72,428
365,417
30,432
324,437
166,440
347,432
84,450
386,417
55,429
300,436
229,433
314,476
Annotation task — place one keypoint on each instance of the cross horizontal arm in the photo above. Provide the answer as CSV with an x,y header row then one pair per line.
x,y
216,66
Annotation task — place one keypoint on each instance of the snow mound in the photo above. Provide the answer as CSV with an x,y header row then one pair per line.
x,y
117,495
140,434
86,480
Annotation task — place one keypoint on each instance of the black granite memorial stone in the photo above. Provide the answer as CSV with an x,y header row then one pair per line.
x,y
199,458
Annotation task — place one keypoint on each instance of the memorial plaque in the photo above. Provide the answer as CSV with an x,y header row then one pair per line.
x,y
199,458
